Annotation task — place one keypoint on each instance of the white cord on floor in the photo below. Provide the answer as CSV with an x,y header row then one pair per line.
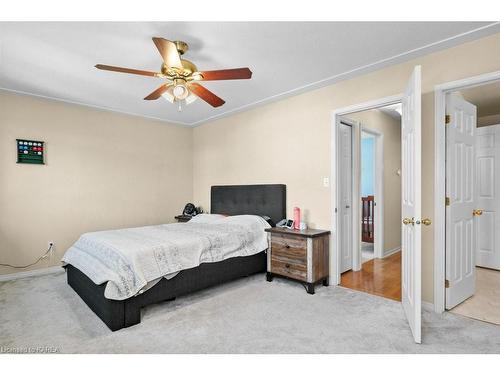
x,y
32,264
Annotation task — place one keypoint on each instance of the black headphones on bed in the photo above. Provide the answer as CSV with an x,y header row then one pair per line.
x,y
191,210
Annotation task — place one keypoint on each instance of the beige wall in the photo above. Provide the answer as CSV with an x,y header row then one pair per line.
x,y
104,170
289,141
391,130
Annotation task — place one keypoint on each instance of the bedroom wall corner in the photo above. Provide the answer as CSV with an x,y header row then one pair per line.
x,y
104,170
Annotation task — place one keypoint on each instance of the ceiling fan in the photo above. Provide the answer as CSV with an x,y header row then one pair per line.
x,y
182,76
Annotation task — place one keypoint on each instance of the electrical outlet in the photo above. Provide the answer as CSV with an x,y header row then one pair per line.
x,y
326,182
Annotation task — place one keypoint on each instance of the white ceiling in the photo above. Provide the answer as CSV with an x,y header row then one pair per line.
x,y
56,60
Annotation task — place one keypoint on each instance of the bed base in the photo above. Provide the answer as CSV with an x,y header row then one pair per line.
x,y
120,314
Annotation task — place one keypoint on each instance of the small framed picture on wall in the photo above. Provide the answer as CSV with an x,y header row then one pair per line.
x,y
30,152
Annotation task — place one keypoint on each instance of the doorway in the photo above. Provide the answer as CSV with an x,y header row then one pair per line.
x,y
372,263
472,256
410,196
441,260
368,168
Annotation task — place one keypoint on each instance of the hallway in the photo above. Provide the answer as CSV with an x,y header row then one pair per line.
x,y
381,277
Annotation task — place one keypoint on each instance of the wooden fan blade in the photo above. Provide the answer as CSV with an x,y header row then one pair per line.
x,y
206,95
157,93
127,70
218,75
168,52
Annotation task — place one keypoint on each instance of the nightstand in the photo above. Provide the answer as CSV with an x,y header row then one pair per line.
x,y
300,255
183,218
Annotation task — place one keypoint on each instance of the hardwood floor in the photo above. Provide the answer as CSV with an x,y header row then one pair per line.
x,y
381,277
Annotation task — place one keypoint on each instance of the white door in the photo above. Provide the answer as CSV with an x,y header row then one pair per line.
x,y
411,196
488,196
460,226
345,175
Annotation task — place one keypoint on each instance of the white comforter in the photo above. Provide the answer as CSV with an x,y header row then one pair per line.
x,y
129,259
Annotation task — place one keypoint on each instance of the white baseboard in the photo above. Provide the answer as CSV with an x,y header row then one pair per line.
x,y
24,274
391,251
427,305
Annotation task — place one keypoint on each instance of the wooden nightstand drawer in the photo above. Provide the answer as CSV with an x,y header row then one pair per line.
x,y
296,271
287,253
288,241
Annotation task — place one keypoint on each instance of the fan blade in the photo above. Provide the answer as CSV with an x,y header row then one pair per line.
x,y
168,52
127,70
157,93
218,75
206,95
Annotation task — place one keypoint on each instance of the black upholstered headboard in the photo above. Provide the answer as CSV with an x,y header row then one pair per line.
x,y
269,200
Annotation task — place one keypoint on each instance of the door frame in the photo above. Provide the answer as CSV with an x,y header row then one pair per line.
x,y
440,92
337,116
378,191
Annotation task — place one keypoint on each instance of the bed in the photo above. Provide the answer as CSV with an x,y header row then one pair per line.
x,y
268,200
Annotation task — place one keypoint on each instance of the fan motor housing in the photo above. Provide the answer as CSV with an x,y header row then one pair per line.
x,y
188,67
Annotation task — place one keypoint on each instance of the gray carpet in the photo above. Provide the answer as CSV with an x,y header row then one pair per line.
x,y
246,316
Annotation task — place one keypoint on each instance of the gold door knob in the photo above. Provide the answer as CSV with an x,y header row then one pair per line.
x,y
407,221
426,221
477,212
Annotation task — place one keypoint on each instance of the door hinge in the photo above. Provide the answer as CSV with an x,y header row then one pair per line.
x,y
447,283
447,201
447,119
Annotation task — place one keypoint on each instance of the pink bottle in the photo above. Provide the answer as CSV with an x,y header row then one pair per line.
x,y
296,218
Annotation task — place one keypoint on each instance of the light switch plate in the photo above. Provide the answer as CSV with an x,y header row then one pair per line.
x,y
326,182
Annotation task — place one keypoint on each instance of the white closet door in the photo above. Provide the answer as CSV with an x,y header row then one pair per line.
x,y
488,196
460,185
411,204
345,185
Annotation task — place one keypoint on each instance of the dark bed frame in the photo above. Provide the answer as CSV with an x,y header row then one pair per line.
x,y
267,200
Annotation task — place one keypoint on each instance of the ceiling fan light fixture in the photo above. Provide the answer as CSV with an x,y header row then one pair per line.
x,y
191,98
181,76
168,95
180,90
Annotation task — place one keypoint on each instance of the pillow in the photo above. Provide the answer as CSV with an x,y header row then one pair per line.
x,y
269,220
206,218
250,221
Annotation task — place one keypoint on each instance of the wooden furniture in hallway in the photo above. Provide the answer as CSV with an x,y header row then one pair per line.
x,y
367,218
301,255
381,277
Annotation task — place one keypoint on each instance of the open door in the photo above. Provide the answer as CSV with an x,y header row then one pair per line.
x,y
345,177
488,196
460,224
411,204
